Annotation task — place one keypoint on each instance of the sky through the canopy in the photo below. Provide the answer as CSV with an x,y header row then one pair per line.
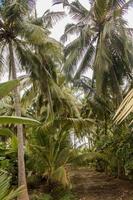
x,y
43,5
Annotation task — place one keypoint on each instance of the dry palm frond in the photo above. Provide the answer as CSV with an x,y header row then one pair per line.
x,y
125,108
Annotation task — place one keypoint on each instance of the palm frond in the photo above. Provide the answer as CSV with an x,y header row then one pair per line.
x,y
51,18
125,108
70,29
33,33
86,61
15,11
7,87
77,10
5,192
60,175
126,5
64,2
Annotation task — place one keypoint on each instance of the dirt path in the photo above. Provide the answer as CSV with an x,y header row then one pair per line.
x,y
91,185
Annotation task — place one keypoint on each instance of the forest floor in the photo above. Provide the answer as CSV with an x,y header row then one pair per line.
x,y
91,185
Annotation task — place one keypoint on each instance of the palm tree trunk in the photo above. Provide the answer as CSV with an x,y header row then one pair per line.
x,y
21,163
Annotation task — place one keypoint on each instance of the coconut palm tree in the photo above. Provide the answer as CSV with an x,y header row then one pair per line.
x,y
102,43
11,15
18,35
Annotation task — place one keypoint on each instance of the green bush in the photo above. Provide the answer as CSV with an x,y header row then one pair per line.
x,y
41,197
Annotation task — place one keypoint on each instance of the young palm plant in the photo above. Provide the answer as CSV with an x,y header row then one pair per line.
x,y
54,149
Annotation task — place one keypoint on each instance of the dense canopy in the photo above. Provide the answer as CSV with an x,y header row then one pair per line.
x,y
55,118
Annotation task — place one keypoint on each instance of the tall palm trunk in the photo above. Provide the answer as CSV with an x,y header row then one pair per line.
x,y
21,163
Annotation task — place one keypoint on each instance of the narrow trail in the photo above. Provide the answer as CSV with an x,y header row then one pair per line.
x,y
91,185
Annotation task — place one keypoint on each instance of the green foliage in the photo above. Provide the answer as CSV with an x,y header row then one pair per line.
x,y
7,87
53,109
102,43
42,197
8,157
52,152
5,132
60,195
5,192
18,120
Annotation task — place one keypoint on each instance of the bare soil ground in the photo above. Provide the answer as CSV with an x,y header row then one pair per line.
x,y
91,185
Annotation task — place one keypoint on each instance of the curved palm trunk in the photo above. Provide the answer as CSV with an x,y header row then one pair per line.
x,y
21,163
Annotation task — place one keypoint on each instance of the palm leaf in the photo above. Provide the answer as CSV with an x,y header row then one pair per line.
x,y
78,11
125,108
5,192
64,2
60,175
51,18
86,61
18,120
33,33
5,132
7,87
69,30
